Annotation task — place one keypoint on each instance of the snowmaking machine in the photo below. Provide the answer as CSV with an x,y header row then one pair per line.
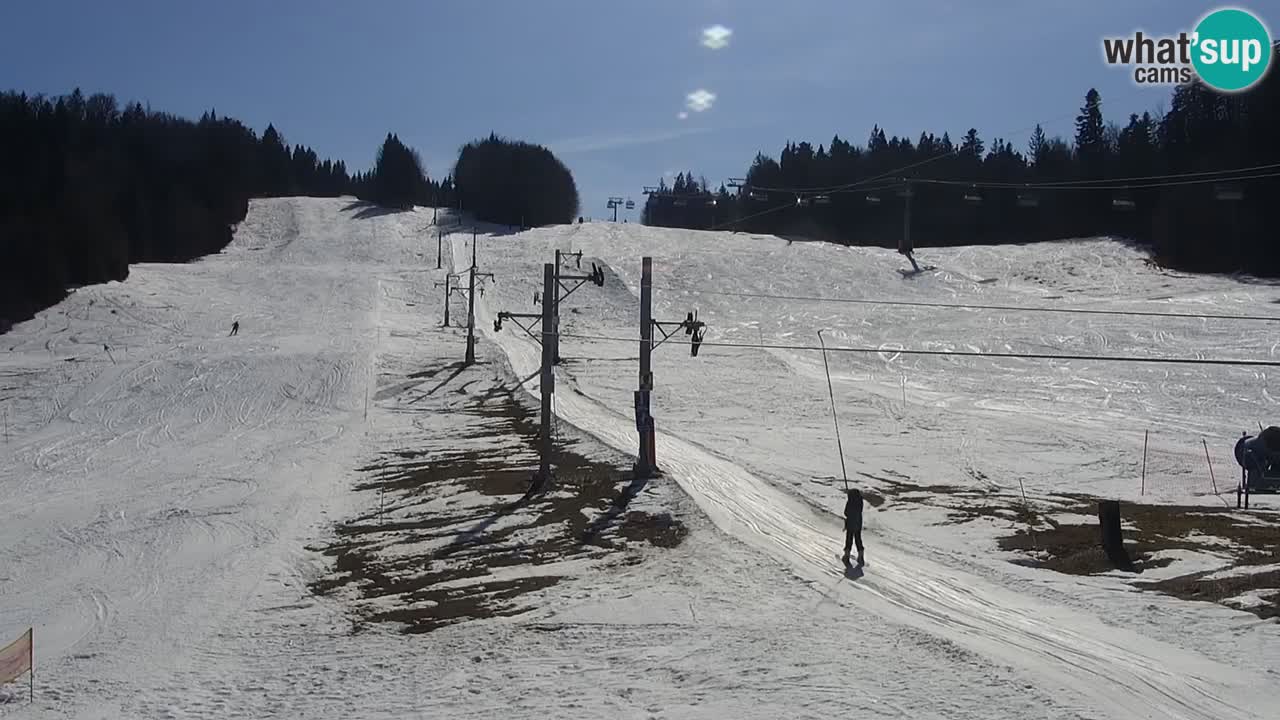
x,y
1259,458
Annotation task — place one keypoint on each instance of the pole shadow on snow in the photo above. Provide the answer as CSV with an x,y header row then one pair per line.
x,y
616,508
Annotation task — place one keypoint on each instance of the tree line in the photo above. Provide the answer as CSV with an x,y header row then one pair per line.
x,y
967,191
89,187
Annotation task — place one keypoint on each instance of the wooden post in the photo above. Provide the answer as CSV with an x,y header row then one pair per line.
x,y
1143,488
1212,479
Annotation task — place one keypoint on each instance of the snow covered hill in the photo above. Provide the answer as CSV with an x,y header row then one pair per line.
x,y
162,481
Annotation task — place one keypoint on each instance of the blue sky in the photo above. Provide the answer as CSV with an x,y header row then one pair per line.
x,y
601,82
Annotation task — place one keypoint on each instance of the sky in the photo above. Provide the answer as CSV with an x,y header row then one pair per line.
x,y
624,93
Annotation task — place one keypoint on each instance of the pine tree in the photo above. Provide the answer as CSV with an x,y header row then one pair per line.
x,y
1091,141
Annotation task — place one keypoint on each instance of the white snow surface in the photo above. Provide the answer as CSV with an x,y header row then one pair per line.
x,y
158,500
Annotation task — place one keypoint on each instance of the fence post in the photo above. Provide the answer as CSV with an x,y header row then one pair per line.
x,y
1143,488
1212,479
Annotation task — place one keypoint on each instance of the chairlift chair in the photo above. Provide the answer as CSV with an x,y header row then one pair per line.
x,y
821,199
873,199
1122,201
680,202
1028,199
759,195
631,204
972,197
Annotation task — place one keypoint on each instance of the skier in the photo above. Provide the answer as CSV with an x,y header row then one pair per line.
x,y
853,525
235,327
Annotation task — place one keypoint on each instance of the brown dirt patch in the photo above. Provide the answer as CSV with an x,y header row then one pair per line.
x,y
458,575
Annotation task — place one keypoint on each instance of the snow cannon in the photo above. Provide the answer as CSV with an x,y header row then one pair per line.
x,y
1259,456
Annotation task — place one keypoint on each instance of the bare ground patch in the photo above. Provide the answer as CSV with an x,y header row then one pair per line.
x,y
459,534
1241,539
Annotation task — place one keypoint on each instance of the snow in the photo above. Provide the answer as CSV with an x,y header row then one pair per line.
x,y
159,501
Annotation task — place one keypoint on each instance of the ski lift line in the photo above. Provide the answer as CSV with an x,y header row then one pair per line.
x,y
1142,178
753,215
1223,175
959,353
955,151
1140,186
783,206
967,306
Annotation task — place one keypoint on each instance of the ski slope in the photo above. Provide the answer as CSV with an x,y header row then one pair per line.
x,y
160,495
982,402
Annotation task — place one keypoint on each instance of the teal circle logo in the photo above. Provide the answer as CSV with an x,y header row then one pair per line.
x,y
1231,50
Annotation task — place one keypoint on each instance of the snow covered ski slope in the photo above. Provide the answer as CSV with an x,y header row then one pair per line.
x,y
737,416
162,477
161,482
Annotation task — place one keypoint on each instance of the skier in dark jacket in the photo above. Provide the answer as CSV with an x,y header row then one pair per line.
x,y
853,525
235,328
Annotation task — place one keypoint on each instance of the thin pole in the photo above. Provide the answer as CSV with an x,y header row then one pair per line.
x,y
447,296
31,664
555,308
1143,488
834,420
439,248
471,306
548,376
1210,462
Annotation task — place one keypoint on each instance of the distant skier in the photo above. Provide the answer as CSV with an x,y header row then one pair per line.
x,y
853,525
235,328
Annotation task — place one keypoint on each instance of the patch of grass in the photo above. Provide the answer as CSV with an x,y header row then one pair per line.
x,y
1244,537
1198,586
585,513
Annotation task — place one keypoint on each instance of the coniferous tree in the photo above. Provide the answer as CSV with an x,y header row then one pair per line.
x,y
89,188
